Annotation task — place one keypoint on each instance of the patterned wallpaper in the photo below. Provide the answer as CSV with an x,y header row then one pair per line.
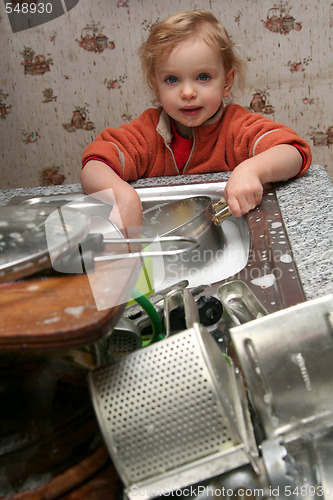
x,y
64,80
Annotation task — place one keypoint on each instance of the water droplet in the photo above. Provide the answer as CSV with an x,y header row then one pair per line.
x,y
267,398
286,258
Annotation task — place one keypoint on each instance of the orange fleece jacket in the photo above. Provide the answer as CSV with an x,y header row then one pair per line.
x,y
141,148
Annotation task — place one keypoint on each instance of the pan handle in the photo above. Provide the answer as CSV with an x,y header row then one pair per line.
x,y
190,244
221,211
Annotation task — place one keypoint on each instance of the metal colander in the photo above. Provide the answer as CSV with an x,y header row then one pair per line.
x,y
171,414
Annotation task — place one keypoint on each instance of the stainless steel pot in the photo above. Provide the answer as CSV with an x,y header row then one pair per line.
x,y
287,360
195,217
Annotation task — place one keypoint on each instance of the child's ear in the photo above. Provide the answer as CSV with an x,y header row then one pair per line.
x,y
229,80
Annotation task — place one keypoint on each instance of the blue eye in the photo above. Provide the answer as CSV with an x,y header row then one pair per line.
x,y
203,77
171,79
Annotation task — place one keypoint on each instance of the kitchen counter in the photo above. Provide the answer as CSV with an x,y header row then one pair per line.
x,y
306,206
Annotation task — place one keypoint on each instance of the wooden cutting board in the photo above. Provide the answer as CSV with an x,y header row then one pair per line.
x,y
64,311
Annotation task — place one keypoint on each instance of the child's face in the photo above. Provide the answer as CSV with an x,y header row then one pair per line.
x,y
191,83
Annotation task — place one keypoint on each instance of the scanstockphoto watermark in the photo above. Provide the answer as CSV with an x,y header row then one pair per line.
x,y
196,491
298,491
204,256
267,277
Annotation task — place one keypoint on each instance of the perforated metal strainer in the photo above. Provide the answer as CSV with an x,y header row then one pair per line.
x,y
172,414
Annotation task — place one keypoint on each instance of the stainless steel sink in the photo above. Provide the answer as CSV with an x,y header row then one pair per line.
x,y
256,249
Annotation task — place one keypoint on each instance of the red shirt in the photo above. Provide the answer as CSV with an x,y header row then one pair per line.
x,y
181,148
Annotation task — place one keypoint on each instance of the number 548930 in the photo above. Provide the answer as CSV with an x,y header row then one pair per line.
x,y
29,8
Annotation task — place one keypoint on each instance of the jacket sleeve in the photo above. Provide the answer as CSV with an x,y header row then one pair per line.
x,y
126,149
254,133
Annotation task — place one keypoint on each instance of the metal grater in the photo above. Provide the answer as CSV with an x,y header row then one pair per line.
x,y
171,414
124,338
121,343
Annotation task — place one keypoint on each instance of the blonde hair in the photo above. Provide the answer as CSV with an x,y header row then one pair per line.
x,y
167,34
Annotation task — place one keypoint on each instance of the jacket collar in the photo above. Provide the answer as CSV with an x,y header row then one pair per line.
x,y
164,127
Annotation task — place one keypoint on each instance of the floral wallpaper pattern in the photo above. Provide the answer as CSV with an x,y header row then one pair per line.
x,y
71,75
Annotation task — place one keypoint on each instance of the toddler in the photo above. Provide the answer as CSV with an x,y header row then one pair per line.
x,y
191,65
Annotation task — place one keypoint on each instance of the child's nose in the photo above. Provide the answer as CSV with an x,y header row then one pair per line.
x,y
188,91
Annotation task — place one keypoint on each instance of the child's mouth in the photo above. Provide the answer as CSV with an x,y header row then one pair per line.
x,y
190,111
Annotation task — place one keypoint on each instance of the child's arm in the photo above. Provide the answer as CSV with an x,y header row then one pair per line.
x,y
244,188
96,176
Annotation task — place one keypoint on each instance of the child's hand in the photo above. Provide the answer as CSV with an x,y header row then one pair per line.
x,y
244,190
98,179
127,213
